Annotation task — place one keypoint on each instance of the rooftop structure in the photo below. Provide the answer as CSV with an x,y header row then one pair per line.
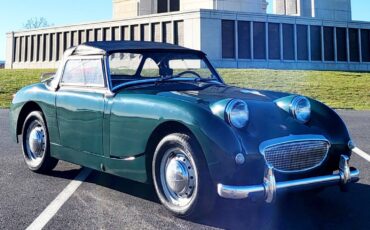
x,y
132,8
337,10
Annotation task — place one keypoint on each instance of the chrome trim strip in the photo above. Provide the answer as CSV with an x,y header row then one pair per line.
x,y
84,89
268,190
290,139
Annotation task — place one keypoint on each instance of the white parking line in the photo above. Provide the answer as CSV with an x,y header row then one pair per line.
x,y
361,154
58,202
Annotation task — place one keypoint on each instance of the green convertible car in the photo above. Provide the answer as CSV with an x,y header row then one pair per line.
x,y
160,113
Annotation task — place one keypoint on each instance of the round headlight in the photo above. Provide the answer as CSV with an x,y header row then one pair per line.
x,y
300,108
237,113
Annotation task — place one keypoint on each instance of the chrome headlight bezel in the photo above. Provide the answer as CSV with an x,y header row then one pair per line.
x,y
300,109
237,119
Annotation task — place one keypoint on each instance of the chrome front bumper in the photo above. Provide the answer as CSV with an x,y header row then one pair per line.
x,y
270,187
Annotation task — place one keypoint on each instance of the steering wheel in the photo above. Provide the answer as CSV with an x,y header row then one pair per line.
x,y
189,72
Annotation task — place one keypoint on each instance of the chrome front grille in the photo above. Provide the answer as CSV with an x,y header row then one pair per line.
x,y
295,153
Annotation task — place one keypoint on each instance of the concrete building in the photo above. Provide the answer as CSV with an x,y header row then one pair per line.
x,y
300,34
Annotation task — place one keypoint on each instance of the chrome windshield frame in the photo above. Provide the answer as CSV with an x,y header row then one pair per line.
x,y
216,77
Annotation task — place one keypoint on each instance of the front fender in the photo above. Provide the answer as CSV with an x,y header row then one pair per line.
x,y
331,122
134,118
29,97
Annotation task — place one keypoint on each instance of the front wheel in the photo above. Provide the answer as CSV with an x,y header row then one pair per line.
x,y
181,176
35,144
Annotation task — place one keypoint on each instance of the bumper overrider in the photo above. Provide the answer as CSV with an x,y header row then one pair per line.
x,y
269,188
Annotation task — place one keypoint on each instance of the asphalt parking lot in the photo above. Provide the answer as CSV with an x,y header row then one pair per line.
x,y
108,202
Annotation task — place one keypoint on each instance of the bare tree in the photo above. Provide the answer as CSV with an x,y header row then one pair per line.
x,y
34,23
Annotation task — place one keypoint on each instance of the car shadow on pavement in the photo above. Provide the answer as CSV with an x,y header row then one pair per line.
x,y
64,174
133,188
330,209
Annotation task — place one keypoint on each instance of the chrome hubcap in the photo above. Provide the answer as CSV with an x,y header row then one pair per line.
x,y
36,141
178,177
35,144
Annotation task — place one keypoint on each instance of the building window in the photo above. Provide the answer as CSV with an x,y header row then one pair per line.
x,y
97,35
51,46
341,44
174,5
302,46
16,49
115,33
228,39
164,6
45,46
26,49
365,40
144,32
166,32
244,40
156,32
134,33
329,43
89,36
288,42
353,45
259,40
274,41
179,33
316,43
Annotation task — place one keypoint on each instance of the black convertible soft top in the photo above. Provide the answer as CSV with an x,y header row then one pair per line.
x,y
109,47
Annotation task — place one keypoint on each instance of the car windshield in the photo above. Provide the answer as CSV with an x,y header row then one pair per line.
x,y
160,66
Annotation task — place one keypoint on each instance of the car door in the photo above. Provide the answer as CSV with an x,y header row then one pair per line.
x,y
80,105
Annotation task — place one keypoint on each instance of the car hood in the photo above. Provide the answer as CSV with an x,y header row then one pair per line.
x,y
268,118
218,92
206,92
209,92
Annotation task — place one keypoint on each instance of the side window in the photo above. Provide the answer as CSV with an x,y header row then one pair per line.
x,y
83,72
93,72
73,73
150,68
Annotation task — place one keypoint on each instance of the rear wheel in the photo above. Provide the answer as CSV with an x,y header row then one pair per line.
x,y
35,144
181,176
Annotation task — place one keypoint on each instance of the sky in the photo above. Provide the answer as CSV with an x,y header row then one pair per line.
x,y
15,13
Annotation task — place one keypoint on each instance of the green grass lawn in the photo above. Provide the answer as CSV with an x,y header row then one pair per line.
x,y
345,90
